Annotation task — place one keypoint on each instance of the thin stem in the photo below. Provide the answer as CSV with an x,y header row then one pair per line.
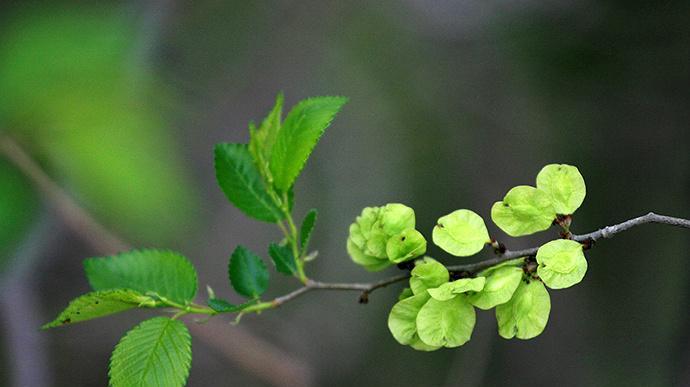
x,y
473,268
258,357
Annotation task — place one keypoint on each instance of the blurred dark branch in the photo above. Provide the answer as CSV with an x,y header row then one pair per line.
x,y
74,216
255,355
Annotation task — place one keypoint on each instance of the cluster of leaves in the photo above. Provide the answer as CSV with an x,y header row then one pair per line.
x,y
257,178
436,311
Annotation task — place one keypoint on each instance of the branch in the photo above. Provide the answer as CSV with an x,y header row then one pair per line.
x,y
268,362
473,268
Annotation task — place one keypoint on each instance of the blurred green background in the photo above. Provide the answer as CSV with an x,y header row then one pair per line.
x,y
452,103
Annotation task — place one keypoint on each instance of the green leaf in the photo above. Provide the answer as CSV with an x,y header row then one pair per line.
x,y
222,306
300,132
307,227
247,272
403,316
165,273
157,352
241,182
499,287
524,210
461,233
427,273
446,323
407,245
526,314
261,140
565,185
283,258
562,263
451,289
98,304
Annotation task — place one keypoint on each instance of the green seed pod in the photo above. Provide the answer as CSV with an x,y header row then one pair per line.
x,y
407,245
371,232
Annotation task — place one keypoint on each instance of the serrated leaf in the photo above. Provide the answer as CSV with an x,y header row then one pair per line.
x,y
562,263
427,273
98,304
222,306
461,233
499,287
261,139
446,323
157,352
247,272
526,314
283,258
402,320
306,229
565,185
407,245
451,289
241,181
298,135
166,273
523,211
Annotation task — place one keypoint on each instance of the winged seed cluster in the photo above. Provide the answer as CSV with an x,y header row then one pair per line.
x,y
435,312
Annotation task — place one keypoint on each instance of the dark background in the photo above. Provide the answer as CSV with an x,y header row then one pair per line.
x,y
451,104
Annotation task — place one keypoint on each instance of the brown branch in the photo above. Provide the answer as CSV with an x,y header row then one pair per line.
x,y
103,240
473,268
75,217
268,363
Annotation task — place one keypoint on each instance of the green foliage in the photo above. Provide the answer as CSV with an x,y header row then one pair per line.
x,y
98,304
451,290
427,274
70,93
402,320
565,185
242,183
157,352
446,323
18,205
306,229
222,306
433,312
283,258
261,140
526,314
300,132
523,211
369,243
461,233
405,246
247,272
499,287
562,263
165,274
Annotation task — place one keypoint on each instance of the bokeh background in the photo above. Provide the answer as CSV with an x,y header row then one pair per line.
x,y
451,104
